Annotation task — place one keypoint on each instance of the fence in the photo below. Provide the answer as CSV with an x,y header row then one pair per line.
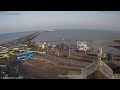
x,y
67,61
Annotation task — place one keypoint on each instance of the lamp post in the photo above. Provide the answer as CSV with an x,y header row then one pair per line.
x,y
69,52
58,53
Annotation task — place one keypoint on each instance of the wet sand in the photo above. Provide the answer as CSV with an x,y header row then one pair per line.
x,y
117,46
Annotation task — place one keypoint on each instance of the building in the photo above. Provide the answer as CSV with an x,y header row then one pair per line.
x,y
40,45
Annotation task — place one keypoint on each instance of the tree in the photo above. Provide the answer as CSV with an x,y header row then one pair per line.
x,y
109,57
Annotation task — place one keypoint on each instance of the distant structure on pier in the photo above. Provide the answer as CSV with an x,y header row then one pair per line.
x,y
82,46
98,69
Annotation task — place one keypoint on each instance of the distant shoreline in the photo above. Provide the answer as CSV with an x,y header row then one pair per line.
x,y
58,30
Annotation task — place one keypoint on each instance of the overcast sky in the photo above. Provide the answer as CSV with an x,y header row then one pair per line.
x,y
17,21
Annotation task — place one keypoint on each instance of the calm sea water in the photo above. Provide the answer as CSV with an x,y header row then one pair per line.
x,y
79,34
12,36
66,34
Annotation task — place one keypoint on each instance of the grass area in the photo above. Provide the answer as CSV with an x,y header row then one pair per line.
x,y
10,68
3,61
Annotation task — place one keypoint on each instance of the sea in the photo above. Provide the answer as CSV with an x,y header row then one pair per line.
x,y
95,38
79,34
12,36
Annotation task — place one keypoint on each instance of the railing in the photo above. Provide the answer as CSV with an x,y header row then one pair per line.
x,y
106,69
101,65
68,61
89,69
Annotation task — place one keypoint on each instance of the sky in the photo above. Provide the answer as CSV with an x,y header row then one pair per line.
x,y
18,21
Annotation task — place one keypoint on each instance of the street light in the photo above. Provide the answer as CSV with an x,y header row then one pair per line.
x,y
69,52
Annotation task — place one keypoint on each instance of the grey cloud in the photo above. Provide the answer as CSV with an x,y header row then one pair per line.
x,y
8,13
110,12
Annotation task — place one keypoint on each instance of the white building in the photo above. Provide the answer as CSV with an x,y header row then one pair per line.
x,y
40,45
